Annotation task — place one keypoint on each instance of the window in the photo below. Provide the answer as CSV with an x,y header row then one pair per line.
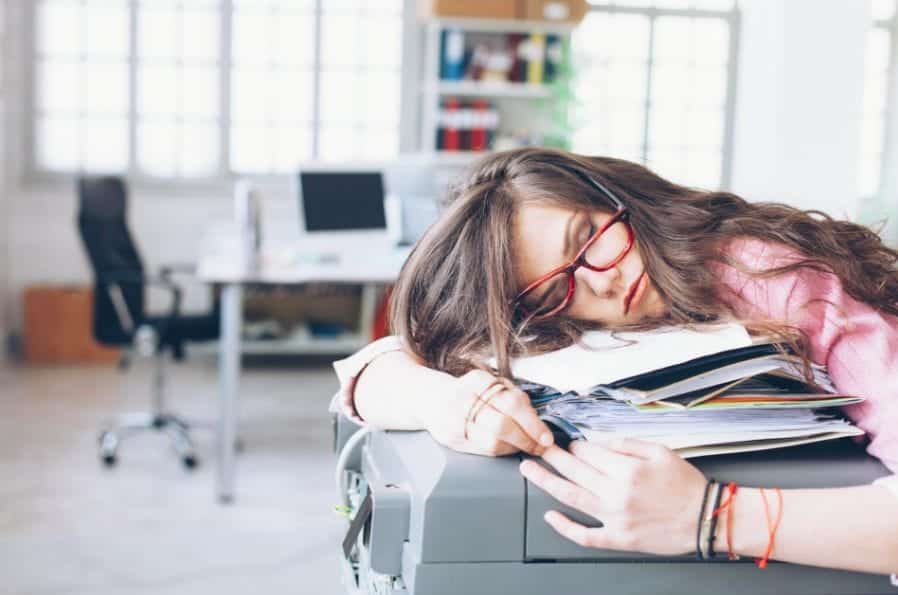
x,y
201,88
877,78
655,85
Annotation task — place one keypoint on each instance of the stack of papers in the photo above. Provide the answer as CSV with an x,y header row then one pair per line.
x,y
698,392
701,433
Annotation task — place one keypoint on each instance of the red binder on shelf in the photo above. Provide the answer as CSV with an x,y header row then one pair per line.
x,y
451,130
479,141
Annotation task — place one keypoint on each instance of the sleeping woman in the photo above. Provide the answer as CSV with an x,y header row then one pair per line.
x,y
537,246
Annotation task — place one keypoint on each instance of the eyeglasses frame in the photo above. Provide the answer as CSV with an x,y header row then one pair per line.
x,y
580,259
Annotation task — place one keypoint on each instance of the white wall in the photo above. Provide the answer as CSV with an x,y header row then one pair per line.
x,y
796,140
6,24
797,133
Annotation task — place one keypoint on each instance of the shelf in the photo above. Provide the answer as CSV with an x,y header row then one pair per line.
x,y
456,157
503,25
492,89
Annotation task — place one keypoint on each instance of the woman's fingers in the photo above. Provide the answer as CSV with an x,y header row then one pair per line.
x,y
515,403
574,468
584,536
502,428
636,448
603,459
564,491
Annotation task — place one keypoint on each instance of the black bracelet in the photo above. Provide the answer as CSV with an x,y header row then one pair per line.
x,y
712,536
701,518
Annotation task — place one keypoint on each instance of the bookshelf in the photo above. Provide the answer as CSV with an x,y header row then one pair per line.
x,y
496,112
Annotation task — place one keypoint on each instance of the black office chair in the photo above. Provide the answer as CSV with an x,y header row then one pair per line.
x,y
119,316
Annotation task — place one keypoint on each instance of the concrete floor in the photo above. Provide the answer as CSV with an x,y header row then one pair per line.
x,y
69,526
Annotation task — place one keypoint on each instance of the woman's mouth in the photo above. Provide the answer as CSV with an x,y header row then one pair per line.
x,y
634,293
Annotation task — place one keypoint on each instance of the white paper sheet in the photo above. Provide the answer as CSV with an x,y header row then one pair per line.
x,y
603,358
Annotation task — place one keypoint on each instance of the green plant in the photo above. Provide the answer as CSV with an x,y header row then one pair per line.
x,y
561,100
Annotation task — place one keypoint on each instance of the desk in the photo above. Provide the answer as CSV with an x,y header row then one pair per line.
x,y
222,262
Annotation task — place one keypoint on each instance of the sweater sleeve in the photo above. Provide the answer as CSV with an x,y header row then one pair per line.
x,y
857,343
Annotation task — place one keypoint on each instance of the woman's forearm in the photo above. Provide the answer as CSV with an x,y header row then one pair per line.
x,y
394,390
853,528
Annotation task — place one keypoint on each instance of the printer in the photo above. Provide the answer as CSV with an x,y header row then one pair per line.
x,y
426,520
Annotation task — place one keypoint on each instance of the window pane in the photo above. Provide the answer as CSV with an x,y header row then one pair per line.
x,y
157,145
158,91
882,9
383,42
294,41
292,146
106,145
251,149
58,146
606,35
702,169
339,142
381,93
106,89
60,86
158,32
294,92
198,150
200,92
108,25
667,127
711,39
340,91
668,162
340,41
250,96
251,38
379,142
59,27
704,129
274,5
874,119
199,35
713,4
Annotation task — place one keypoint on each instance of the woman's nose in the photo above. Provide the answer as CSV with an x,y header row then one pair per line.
x,y
602,283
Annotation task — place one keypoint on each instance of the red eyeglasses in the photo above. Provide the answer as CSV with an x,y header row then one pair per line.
x,y
559,283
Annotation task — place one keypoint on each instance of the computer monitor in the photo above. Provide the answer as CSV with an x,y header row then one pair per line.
x,y
342,201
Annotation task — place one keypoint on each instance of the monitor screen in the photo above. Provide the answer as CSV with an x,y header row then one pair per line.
x,y
342,200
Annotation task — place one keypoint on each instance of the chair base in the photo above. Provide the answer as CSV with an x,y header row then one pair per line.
x,y
177,429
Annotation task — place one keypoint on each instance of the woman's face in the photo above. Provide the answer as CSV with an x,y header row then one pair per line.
x,y
546,237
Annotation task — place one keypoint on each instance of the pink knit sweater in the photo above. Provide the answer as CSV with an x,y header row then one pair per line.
x,y
857,344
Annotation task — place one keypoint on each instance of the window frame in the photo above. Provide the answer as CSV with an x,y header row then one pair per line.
x,y
222,180
733,18
887,153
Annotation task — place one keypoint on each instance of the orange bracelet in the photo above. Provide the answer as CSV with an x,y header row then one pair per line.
x,y
728,506
762,563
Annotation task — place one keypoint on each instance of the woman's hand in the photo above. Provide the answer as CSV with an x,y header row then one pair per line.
x,y
487,416
646,497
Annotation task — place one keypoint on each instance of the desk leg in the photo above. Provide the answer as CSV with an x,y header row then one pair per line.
x,y
229,380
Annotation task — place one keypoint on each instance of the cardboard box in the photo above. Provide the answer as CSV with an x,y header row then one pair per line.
x,y
481,9
561,11
57,326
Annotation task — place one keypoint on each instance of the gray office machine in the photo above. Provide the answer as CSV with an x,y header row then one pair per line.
x,y
431,521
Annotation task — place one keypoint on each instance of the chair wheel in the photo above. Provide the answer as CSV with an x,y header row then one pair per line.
x,y
190,462
108,447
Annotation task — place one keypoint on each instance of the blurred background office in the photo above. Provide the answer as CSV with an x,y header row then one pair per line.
x,y
330,128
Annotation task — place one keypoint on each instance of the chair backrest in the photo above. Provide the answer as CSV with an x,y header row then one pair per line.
x,y
118,270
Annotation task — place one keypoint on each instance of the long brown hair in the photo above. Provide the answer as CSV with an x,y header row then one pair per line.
x,y
453,300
